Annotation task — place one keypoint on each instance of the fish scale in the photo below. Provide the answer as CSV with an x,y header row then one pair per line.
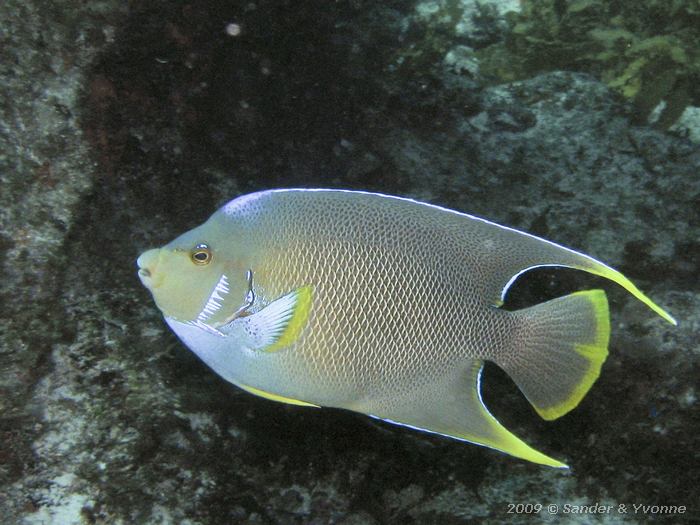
x,y
392,312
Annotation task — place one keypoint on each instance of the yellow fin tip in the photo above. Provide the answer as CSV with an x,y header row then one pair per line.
x,y
615,276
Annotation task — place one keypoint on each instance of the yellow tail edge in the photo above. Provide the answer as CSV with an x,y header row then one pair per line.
x,y
595,352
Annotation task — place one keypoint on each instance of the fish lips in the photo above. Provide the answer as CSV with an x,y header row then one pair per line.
x,y
145,277
147,263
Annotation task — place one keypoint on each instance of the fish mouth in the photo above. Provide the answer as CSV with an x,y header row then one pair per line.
x,y
145,277
146,263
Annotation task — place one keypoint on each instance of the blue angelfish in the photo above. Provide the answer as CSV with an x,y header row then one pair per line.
x,y
381,305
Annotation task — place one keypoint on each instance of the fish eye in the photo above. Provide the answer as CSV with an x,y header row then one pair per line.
x,y
201,254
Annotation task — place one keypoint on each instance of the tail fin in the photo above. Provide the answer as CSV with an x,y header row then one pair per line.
x,y
562,345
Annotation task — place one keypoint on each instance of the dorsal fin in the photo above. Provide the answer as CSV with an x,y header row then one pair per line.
x,y
508,253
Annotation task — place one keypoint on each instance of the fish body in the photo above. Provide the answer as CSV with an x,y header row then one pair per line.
x,y
380,305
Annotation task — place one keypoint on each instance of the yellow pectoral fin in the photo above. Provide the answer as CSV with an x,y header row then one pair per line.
x,y
275,397
286,317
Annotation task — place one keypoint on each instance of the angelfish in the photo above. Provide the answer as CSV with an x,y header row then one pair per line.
x,y
382,305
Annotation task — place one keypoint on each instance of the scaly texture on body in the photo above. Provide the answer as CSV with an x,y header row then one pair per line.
x,y
381,305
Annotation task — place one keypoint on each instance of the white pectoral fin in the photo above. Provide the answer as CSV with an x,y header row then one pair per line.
x,y
277,325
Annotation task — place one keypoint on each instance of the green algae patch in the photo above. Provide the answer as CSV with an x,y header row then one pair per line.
x,y
648,52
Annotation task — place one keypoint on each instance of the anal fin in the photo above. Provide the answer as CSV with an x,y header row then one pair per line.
x,y
453,407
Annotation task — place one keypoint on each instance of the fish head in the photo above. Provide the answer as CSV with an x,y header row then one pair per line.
x,y
197,277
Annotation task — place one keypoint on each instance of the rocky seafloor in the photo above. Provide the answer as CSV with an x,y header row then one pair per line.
x,y
125,125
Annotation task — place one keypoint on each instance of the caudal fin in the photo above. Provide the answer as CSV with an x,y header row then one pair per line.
x,y
561,346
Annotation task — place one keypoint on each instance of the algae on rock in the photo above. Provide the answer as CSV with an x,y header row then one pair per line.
x,y
648,52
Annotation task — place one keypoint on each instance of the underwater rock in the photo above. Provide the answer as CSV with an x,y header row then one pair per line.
x,y
688,125
46,168
107,418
